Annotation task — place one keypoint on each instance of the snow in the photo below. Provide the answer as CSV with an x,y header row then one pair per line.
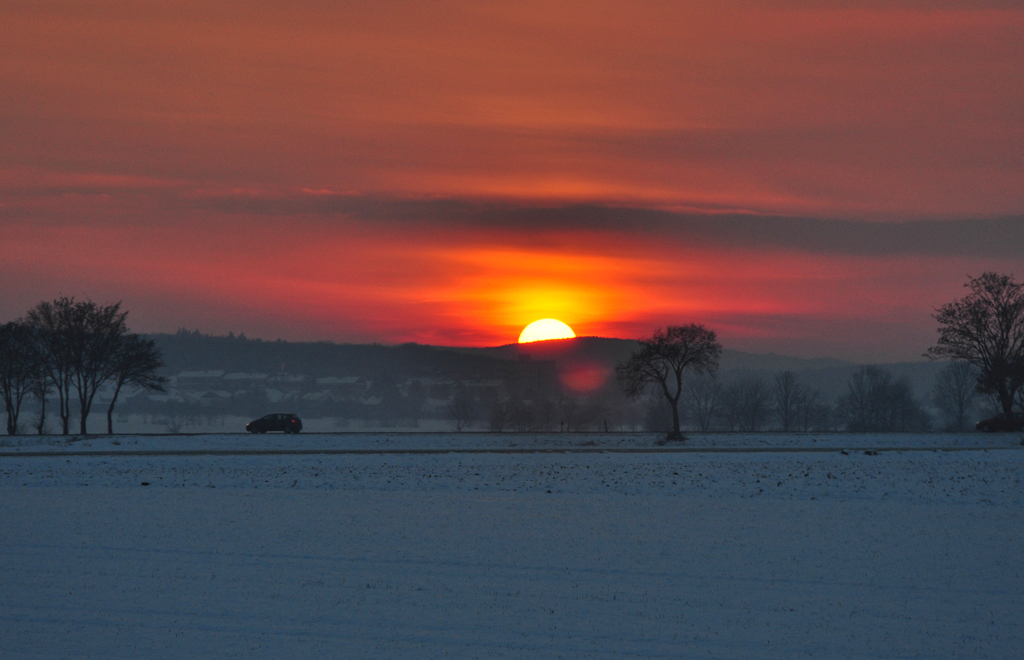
x,y
399,440
582,553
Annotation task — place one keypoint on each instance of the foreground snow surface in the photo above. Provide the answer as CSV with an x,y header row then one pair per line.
x,y
899,554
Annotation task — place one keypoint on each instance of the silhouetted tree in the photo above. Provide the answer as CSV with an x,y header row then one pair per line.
x,y
17,364
462,411
662,360
571,414
39,388
544,412
77,342
875,401
52,324
100,334
497,416
955,391
812,412
703,396
577,414
986,329
520,414
753,402
786,394
40,382
730,404
135,362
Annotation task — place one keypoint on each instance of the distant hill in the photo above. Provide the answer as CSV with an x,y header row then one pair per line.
x,y
613,351
599,349
740,361
192,351
584,363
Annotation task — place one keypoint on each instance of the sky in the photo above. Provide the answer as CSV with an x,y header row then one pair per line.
x,y
806,178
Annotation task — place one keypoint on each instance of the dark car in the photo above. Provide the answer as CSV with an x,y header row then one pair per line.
x,y
1002,422
287,422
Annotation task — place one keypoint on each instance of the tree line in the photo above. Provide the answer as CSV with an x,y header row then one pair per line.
x,y
981,333
65,351
873,400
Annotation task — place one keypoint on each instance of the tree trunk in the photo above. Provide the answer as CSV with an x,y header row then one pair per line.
x,y
13,412
83,409
85,418
676,432
1005,398
65,413
675,418
110,410
42,415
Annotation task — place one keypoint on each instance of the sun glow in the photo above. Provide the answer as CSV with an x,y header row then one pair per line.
x,y
545,329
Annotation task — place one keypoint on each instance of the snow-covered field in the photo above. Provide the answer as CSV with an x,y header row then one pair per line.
x,y
894,554
402,440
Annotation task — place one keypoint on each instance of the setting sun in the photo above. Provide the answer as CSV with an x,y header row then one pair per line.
x,y
545,329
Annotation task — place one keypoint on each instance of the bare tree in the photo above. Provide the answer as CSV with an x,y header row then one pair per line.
x,y
39,387
753,405
78,341
986,329
907,413
520,414
544,412
462,411
745,405
17,363
875,401
955,391
662,360
497,417
570,414
703,396
812,412
52,325
135,362
861,405
729,407
786,394
101,334
577,414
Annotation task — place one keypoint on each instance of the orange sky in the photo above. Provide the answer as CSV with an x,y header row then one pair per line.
x,y
447,172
